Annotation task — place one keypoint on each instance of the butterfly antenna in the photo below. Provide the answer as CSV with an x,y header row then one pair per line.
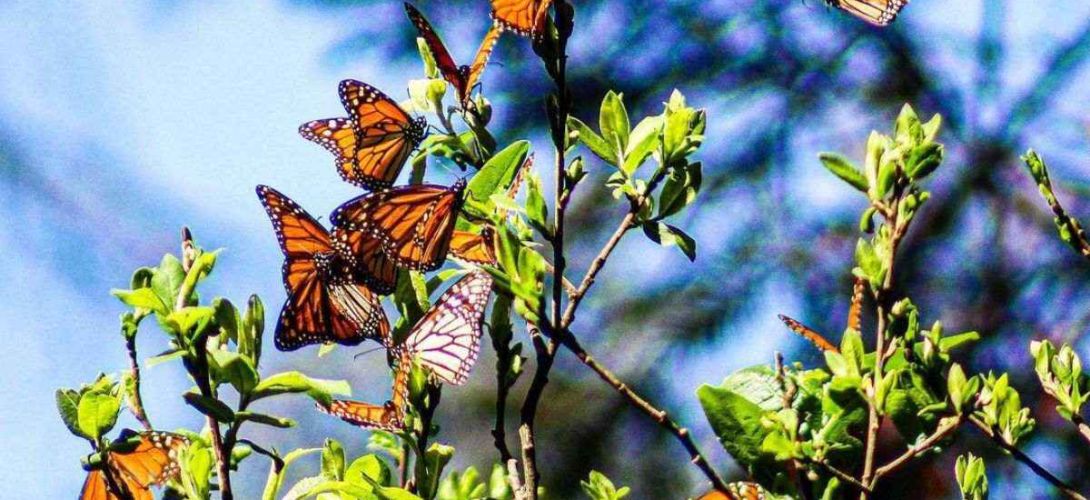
x,y
364,353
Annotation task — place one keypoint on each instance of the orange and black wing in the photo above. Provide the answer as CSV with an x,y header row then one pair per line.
x,y
139,462
876,12
855,312
475,248
525,17
377,271
339,137
472,73
414,223
390,416
443,60
385,135
325,303
809,334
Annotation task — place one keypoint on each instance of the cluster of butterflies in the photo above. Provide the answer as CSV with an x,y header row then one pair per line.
x,y
334,279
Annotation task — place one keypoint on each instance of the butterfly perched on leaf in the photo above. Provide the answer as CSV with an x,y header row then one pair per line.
x,y
463,78
448,338
387,417
876,12
413,223
373,143
135,462
525,17
326,300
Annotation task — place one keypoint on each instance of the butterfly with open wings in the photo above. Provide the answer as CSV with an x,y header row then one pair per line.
x,y
463,78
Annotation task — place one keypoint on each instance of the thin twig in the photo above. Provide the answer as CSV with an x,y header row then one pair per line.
x,y
1083,428
945,428
1025,459
513,478
844,476
202,376
569,287
569,341
136,401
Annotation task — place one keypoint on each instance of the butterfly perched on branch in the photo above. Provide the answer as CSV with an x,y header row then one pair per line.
x,y
413,224
876,12
373,143
463,78
327,301
447,339
525,17
134,463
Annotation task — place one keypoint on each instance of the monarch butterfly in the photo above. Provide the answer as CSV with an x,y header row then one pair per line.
x,y
413,223
379,272
135,462
463,78
372,144
741,490
525,17
388,417
447,339
474,248
325,300
855,312
876,12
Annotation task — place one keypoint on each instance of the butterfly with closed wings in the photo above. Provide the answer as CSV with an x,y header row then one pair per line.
x,y
373,143
134,463
327,301
463,78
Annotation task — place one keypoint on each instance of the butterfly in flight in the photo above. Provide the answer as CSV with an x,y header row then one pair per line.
x,y
372,144
134,463
525,17
448,338
326,300
413,224
876,12
387,417
463,78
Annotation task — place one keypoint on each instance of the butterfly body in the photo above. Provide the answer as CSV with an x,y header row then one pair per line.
x,y
326,300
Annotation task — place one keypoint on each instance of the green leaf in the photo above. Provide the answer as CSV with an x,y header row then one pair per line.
x,y
293,382
461,486
613,121
369,467
165,356
972,477
97,413
141,298
536,210
843,168
253,327
197,460
597,144
667,235
679,190
236,369
167,280
68,406
261,418
210,406
498,172
736,421
680,122
642,143
430,469
599,487
757,384
430,68
227,318
276,474
333,462
866,257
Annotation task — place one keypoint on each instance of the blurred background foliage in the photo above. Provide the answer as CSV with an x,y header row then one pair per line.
x,y
120,123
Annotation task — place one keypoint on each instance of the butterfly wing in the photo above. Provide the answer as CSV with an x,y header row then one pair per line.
x,y
525,17
414,223
475,248
389,417
379,272
447,338
809,334
876,12
339,137
443,60
473,73
855,312
737,491
385,135
324,302
96,487
136,462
